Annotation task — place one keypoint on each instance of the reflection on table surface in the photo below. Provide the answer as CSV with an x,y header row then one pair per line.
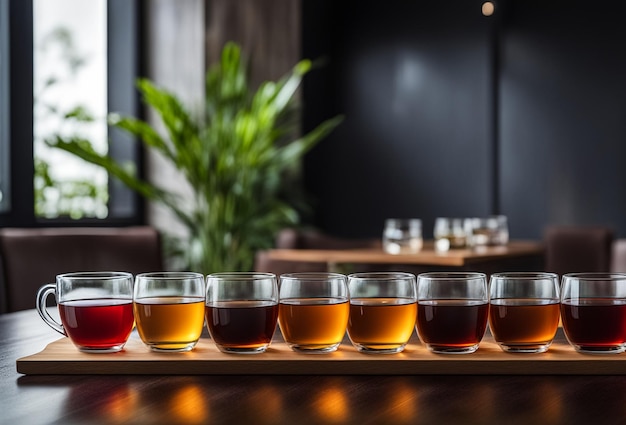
x,y
293,399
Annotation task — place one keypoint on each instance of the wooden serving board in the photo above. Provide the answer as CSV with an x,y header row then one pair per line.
x,y
62,358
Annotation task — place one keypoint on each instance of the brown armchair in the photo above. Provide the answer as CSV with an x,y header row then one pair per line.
x,y
571,249
30,258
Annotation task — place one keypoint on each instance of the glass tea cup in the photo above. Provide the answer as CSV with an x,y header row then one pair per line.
x,y
169,309
489,231
382,311
593,311
452,311
524,310
402,236
242,311
95,308
452,233
313,311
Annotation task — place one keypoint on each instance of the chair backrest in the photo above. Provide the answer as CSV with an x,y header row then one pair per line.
x,y
30,258
571,249
618,256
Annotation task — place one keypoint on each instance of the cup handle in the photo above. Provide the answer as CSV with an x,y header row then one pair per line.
x,y
42,295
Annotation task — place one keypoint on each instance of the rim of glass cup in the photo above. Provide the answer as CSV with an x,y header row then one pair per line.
x,y
312,275
524,275
452,275
95,275
596,276
381,275
170,275
241,275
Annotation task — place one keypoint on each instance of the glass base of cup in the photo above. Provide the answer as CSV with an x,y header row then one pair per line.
x,y
446,349
594,349
525,348
242,350
172,348
102,350
379,349
314,349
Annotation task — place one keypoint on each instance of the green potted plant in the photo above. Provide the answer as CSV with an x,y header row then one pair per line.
x,y
239,158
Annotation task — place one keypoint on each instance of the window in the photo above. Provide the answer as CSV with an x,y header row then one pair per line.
x,y
72,57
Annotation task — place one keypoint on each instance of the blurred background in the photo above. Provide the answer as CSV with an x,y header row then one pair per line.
x,y
463,108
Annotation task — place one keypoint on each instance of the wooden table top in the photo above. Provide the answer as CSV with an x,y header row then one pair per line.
x,y
427,256
302,399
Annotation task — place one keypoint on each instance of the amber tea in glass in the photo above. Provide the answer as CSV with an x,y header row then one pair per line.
x,y
169,309
524,310
313,311
383,309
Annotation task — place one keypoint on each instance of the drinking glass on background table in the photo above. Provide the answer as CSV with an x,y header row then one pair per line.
x,y
402,236
96,309
524,310
451,233
382,311
169,309
489,231
593,311
242,310
313,311
452,311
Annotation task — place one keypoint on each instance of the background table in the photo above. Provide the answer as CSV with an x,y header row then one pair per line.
x,y
516,256
292,399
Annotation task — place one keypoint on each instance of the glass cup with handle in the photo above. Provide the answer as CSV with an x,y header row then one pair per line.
x,y
242,310
382,311
313,311
524,310
452,311
169,309
95,308
593,311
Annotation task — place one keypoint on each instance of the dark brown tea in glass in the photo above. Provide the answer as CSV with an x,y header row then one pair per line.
x,y
452,311
241,311
593,311
242,324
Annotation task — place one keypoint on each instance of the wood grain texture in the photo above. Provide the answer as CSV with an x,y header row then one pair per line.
x,y
61,357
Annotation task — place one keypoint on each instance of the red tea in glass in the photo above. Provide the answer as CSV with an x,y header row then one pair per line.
x,y
595,324
97,324
96,309
593,311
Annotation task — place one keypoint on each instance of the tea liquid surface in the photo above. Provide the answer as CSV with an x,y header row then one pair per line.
x,y
313,321
242,324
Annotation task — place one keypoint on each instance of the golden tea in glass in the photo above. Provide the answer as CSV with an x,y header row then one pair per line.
x,y
383,310
313,311
169,309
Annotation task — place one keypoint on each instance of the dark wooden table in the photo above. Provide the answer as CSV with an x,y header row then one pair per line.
x,y
292,399
515,256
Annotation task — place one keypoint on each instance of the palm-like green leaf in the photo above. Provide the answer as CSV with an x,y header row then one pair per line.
x,y
239,158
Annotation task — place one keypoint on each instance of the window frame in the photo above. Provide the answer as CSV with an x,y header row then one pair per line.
x,y
123,66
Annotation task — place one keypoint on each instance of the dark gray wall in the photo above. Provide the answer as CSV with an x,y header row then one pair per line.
x,y
563,115
450,113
